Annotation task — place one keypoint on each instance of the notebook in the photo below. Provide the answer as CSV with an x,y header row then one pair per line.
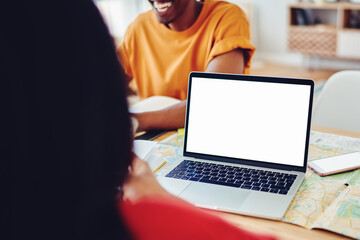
x,y
245,145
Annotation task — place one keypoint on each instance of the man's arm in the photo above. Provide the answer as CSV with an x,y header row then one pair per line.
x,y
174,117
230,62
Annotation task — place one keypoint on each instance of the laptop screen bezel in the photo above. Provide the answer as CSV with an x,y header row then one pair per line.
x,y
241,77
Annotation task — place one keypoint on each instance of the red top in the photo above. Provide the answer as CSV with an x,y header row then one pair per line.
x,y
172,218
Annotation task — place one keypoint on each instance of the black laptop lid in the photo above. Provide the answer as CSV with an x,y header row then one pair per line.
x,y
253,120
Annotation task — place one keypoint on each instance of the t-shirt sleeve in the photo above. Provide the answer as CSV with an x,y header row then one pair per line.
x,y
233,32
173,218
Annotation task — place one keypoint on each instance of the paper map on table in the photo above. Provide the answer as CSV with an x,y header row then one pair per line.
x,y
331,203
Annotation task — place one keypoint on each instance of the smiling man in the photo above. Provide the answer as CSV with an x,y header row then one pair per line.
x,y
162,46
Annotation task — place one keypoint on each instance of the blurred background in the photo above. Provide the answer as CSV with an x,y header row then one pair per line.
x,y
304,39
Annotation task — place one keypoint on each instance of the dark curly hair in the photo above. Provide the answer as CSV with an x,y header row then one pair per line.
x,y
68,134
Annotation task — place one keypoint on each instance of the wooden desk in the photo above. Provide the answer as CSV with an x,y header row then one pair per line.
x,y
279,229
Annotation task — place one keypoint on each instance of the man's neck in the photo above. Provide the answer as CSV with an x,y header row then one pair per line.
x,y
187,18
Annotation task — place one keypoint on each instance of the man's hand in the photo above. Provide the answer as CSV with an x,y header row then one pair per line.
x,y
141,182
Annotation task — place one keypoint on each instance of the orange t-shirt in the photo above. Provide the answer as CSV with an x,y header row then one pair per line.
x,y
160,59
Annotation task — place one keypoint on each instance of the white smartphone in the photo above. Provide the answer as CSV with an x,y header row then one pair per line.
x,y
336,164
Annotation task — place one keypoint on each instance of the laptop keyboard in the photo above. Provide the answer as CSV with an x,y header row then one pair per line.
x,y
239,177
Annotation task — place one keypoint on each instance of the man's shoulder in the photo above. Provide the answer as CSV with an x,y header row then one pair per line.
x,y
141,20
144,16
224,8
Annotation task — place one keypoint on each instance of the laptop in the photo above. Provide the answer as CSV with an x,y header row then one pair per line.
x,y
246,143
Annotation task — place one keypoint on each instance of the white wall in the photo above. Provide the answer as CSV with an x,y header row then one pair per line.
x,y
118,14
269,21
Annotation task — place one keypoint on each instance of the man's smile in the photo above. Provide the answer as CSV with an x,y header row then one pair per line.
x,y
162,7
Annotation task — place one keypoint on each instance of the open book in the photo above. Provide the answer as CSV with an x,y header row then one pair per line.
x,y
154,103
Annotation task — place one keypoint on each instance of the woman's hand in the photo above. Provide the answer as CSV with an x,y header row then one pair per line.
x,y
141,182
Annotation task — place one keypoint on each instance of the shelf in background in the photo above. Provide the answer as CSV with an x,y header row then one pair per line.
x,y
325,30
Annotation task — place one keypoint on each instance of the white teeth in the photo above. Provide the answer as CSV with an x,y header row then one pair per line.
x,y
162,7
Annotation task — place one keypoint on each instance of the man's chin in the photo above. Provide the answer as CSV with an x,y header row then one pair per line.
x,y
164,21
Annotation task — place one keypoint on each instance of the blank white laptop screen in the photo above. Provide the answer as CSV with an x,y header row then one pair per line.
x,y
250,120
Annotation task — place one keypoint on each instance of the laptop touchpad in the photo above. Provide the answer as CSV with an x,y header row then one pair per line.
x,y
215,196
